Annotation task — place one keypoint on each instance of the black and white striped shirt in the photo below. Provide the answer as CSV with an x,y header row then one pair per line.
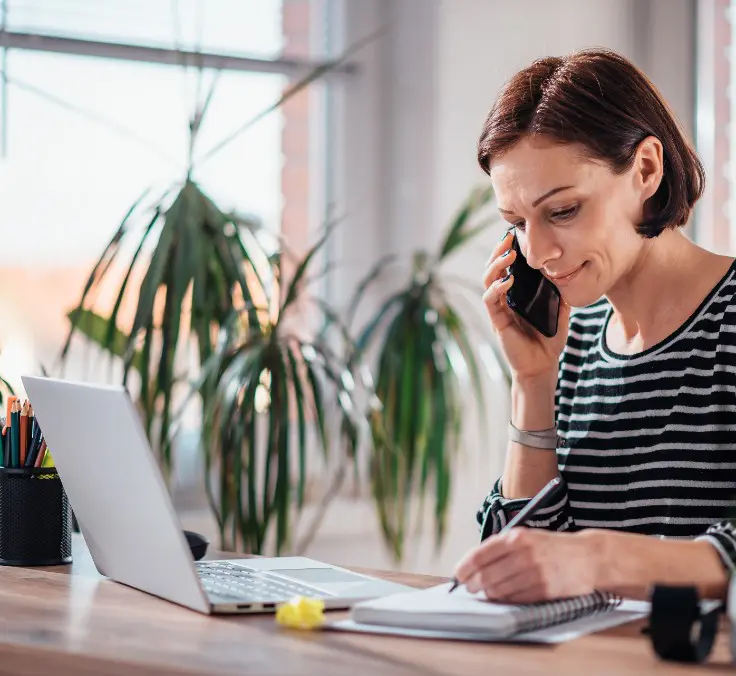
x,y
647,441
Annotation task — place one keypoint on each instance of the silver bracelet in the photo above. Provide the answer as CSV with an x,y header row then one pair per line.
x,y
542,439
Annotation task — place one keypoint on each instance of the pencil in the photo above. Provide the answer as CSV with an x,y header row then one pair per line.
x,y
35,445
41,454
31,427
23,434
11,403
15,434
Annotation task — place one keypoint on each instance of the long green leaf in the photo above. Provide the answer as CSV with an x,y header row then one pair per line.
x,y
294,89
97,329
373,274
283,481
301,270
110,337
106,258
366,335
458,233
299,398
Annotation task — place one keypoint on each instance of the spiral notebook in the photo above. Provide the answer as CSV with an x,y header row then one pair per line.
x,y
437,614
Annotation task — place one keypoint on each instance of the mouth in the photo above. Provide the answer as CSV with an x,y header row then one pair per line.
x,y
566,277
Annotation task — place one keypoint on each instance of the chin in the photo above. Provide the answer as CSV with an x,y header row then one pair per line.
x,y
582,291
581,297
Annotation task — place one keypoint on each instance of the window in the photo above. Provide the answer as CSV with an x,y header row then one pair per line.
x,y
86,136
716,213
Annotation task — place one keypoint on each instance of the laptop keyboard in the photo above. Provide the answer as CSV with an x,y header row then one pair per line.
x,y
248,585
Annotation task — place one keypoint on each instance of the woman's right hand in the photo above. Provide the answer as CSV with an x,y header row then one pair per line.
x,y
529,353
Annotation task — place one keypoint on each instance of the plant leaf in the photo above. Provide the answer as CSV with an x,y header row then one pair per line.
x,y
301,270
97,329
458,233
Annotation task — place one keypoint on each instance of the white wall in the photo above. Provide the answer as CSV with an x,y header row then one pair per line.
x,y
412,118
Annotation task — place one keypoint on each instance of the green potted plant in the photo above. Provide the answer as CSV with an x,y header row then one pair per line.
x,y
199,265
267,393
424,357
204,262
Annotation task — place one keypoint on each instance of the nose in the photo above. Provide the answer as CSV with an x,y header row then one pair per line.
x,y
541,246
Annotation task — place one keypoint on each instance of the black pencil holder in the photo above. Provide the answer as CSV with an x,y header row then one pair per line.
x,y
35,518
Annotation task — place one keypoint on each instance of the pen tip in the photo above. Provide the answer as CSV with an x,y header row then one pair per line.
x,y
454,586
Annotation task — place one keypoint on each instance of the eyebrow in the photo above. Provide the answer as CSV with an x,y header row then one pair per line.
x,y
541,199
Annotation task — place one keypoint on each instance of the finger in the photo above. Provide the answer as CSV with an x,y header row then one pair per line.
x,y
491,550
495,296
496,267
518,562
531,594
503,245
519,581
499,572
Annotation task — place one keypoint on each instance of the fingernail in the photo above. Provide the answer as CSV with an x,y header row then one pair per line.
x,y
507,253
503,237
506,278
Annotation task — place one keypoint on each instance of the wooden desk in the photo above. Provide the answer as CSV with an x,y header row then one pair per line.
x,y
70,620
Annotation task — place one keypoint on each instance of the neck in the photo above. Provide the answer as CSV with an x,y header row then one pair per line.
x,y
667,266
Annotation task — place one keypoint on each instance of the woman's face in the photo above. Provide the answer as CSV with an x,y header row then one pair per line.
x,y
575,219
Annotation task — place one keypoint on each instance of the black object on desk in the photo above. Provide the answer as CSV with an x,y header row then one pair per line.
x,y
678,628
35,518
197,543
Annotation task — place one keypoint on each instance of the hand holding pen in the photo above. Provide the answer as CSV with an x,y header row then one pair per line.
x,y
536,503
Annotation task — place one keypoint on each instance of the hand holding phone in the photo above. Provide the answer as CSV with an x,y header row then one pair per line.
x,y
530,351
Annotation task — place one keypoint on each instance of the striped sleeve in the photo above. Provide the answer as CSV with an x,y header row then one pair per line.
x,y
723,537
496,511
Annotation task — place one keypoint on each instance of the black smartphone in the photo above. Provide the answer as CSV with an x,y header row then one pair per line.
x,y
532,295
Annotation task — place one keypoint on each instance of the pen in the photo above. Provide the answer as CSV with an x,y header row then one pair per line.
x,y
522,515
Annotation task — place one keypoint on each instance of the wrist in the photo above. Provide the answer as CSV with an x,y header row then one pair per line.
x,y
602,557
533,382
533,401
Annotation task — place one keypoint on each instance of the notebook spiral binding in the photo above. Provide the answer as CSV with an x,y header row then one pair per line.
x,y
533,616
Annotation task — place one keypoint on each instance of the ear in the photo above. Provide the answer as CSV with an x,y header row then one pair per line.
x,y
648,166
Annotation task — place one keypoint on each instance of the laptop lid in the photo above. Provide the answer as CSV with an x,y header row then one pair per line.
x,y
115,488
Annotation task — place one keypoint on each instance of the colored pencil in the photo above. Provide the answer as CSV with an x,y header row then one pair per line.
x,y
15,435
11,403
36,439
41,454
31,427
6,432
24,434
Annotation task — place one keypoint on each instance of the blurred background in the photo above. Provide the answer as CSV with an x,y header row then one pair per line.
x,y
98,102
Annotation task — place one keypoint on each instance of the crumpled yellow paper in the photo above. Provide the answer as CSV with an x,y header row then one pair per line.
x,y
301,613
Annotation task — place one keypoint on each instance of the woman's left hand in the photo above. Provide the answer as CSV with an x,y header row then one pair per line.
x,y
526,565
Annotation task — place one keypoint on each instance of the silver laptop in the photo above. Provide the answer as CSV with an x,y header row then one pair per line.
x,y
128,521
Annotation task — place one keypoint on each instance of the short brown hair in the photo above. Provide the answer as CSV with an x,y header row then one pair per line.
x,y
598,99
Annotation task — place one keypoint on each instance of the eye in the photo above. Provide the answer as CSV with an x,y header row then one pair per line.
x,y
565,214
520,226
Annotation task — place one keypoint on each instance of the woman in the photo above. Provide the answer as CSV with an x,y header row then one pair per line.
x,y
592,172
